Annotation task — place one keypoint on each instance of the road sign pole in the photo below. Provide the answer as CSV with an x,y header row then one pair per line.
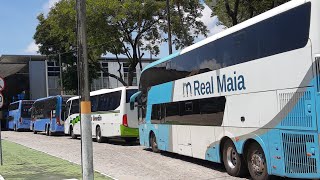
x,y
85,106
2,86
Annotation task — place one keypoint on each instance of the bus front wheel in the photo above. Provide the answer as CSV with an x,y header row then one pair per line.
x,y
233,162
153,143
257,163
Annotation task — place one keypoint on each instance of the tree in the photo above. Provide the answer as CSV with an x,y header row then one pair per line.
x,y
119,27
232,12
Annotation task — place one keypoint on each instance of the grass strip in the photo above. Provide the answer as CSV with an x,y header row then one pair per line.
x,y
20,162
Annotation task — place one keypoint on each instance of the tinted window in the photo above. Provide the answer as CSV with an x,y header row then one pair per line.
x,y
45,108
204,112
26,109
281,33
108,102
14,106
75,107
158,113
212,110
129,93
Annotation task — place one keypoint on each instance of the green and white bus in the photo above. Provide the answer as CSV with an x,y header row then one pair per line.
x,y
111,115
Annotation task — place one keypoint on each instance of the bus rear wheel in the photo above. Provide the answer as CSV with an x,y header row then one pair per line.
x,y
47,130
153,143
99,138
233,162
15,128
34,131
257,163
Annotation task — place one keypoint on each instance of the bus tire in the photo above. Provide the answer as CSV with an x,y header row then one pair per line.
x,y
130,140
73,136
46,130
99,138
153,143
257,163
49,132
233,161
34,131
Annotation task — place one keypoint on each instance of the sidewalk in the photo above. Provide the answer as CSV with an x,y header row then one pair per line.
x,y
20,162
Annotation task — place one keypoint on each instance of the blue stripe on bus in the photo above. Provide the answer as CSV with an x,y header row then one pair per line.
x,y
161,93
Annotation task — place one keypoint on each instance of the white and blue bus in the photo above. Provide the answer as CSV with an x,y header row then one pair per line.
x,y
248,97
48,115
20,115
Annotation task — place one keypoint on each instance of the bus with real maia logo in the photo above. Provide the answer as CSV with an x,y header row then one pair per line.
x,y
110,114
20,115
248,97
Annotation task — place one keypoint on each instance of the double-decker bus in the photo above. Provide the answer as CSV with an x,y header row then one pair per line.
x,y
110,114
48,115
248,97
20,115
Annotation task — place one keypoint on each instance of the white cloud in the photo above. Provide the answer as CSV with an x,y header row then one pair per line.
x,y
211,22
48,5
32,48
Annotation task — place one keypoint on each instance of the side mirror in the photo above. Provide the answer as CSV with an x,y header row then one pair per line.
x,y
131,105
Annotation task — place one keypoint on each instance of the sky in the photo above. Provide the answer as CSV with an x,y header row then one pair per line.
x,y
18,22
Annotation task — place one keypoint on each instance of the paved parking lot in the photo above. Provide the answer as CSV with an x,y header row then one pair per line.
x,y
122,161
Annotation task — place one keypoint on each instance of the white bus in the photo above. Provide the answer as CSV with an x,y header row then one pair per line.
x,y
111,115
248,97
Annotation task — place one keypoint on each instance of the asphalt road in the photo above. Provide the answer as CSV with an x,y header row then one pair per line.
x,y
122,161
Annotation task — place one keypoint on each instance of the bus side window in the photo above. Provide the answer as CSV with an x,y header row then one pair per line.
x,y
157,114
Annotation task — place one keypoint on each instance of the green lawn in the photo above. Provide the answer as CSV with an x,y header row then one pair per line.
x,y
20,162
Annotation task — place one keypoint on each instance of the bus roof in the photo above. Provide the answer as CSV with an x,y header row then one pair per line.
x,y
41,99
249,22
103,91
23,101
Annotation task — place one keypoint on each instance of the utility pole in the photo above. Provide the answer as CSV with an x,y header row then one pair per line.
x,y
61,80
85,105
169,27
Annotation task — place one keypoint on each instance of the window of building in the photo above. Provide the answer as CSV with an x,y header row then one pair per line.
x,y
102,82
126,74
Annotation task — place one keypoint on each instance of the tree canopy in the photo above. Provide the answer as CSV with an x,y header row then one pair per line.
x,y
232,12
126,27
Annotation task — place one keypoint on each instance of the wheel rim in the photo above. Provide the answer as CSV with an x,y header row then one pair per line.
x,y
232,157
154,142
98,134
257,163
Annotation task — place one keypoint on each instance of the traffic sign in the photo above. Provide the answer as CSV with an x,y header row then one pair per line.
x,y
2,84
1,100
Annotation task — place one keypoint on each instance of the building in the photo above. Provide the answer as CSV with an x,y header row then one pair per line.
x,y
33,76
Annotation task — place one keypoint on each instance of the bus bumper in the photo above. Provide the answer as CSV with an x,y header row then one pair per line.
x,y
129,132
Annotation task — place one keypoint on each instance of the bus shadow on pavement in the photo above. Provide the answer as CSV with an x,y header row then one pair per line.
x,y
121,142
118,142
208,164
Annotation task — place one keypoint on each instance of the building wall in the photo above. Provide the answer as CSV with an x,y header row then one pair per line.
x,y
103,82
